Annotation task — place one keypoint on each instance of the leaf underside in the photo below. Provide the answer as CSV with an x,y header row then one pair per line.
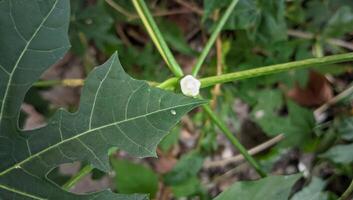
x,y
115,110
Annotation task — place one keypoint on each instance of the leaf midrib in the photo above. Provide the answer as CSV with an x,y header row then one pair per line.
x,y
20,57
19,192
87,132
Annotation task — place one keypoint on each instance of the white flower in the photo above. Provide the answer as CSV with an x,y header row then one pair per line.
x,y
190,86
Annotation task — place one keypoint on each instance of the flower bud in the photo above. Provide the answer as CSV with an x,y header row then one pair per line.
x,y
190,86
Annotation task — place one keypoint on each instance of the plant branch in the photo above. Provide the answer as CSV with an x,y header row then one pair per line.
x,y
190,6
157,37
213,38
120,9
65,82
332,101
76,178
261,71
332,41
240,157
234,140
169,83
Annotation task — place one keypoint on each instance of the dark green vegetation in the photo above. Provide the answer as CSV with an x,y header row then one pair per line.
x,y
302,99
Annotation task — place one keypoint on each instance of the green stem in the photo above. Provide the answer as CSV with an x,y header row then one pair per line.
x,y
169,83
347,193
234,140
213,38
157,37
76,178
64,82
261,71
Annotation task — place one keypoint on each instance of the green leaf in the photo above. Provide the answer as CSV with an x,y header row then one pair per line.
x,y
273,187
170,140
341,154
134,178
340,23
313,191
115,109
345,128
189,188
187,167
95,23
263,20
297,126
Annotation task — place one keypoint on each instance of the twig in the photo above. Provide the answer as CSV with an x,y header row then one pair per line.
x,y
165,13
190,6
332,41
120,31
240,157
120,9
318,112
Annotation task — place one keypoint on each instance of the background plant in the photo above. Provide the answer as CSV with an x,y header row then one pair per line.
x,y
256,34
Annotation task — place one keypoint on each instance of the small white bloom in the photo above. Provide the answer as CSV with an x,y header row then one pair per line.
x,y
302,168
190,86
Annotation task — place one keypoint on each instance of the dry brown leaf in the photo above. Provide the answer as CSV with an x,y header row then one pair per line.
x,y
317,91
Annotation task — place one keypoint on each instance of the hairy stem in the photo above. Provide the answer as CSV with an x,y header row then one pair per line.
x,y
213,38
261,71
157,37
234,140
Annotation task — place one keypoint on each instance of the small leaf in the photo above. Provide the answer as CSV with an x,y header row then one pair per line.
x,y
187,167
313,191
340,23
272,187
134,178
345,128
341,154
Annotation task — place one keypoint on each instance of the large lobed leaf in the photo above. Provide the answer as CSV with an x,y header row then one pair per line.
x,y
115,110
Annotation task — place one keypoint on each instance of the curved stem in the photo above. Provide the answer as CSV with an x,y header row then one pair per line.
x,y
313,62
234,140
157,37
348,192
213,38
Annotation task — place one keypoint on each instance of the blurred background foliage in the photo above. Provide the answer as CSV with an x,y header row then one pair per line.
x,y
301,105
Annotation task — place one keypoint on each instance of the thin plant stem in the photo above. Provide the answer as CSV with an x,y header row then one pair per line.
x,y
157,37
213,38
169,83
234,140
261,71
216,91
76,178
238,158
65,82
347,193
120,9
309,36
